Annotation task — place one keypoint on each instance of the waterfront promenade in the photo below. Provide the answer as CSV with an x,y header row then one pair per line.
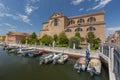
x,y
109,53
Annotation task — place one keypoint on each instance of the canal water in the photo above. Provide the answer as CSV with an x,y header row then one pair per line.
x,y
17,67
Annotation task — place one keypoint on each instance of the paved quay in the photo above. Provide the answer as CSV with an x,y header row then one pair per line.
x,y
76,53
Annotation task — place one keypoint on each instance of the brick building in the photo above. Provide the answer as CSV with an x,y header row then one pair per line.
x,y
83,24
15,37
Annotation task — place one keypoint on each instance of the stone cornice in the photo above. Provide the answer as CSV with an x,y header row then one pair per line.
x,y
45,22
44,30
86,24
87,15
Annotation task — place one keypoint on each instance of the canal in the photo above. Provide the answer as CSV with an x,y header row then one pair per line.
x,y
16,67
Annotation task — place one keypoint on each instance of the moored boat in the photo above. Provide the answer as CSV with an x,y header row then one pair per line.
x,y
35,53
94,67
81,64
63,58
56,57
26,53
11,47
46,58
22,50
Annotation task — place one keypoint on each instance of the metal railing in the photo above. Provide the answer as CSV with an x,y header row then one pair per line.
x,y
117,63
113,53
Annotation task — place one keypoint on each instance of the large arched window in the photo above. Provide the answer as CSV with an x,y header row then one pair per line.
x,y
68,30
71,22
91,19
91,28
55,22
78,30
80,21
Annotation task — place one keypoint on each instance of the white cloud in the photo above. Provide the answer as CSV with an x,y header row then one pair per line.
x,y
101,4
97,0
81,9
76,2
33,1
10,27
24,18
2,7
7,27
29,9
19,17
111,30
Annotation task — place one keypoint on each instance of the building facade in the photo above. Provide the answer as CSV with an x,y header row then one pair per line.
x,y
117,35
15,37
2,38
70,25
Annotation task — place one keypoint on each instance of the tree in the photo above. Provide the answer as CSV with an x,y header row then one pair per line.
x,y
46,40
94,42
74,40
23,40
55,38
63,40
77,34
33,38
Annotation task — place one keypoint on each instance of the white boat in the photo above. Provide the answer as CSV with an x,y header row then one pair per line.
x,y
94,67
46,58
63,58
56,57
81,64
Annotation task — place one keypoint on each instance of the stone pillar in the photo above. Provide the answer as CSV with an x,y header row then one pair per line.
x,y
112,58
109,52
89,46
102,49
73,45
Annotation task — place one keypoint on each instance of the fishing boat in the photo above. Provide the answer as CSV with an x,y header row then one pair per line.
x,y
11,47
35,53
81,64
62,59
46,58
22,50
14,50
94,67
26,53
56,57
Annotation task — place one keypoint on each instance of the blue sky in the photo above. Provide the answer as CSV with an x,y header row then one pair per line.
x,y
28,15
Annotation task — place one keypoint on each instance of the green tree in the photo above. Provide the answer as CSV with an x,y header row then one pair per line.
x,y
74,40
63,40
46,40
23,40
55,38
77,34
33,38
94,42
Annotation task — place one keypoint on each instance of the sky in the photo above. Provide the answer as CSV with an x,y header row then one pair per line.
x,y
28,15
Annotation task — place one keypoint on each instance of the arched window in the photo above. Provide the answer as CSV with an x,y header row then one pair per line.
x,y
68,30
91,19
80,21
78,30
71,22
55,22
91,29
